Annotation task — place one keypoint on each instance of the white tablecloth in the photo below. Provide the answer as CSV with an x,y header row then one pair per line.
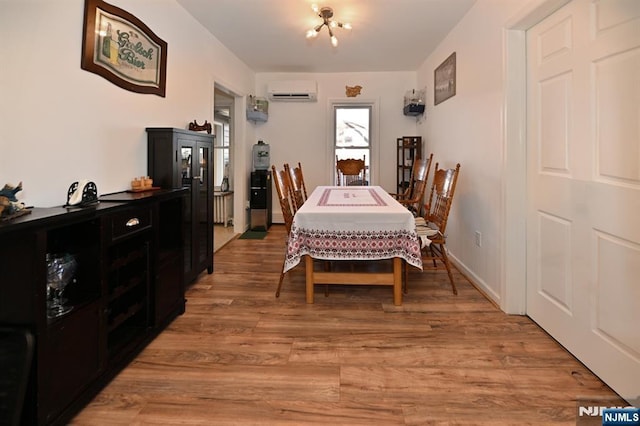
x,y
353,223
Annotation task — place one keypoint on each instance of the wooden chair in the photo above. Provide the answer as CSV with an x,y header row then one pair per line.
x,y
297,188
300,177
413,196
432,227
350,171
281,182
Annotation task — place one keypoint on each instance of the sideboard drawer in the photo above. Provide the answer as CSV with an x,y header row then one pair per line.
x,y
130,222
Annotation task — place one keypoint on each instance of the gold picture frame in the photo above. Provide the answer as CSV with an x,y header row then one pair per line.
x,y
444,85
119,47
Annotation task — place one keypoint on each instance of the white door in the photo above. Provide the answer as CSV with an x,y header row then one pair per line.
x,y
583,178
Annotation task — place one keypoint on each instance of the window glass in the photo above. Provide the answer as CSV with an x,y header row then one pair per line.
x,y
221,154
353,134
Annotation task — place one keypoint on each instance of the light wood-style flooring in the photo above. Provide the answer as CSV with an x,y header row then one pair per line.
x,y
239,356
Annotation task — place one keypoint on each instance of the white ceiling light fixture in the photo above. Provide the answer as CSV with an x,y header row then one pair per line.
x,y
326,13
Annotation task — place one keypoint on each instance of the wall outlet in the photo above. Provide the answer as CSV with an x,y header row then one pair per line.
x,y
478,239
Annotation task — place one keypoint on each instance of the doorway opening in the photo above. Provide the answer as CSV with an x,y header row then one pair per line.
x,y
223,169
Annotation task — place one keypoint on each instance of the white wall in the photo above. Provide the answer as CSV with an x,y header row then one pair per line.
x,y
469,128
301,131
60,123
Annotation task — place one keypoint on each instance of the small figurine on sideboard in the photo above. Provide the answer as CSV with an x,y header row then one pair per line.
x,y
10,207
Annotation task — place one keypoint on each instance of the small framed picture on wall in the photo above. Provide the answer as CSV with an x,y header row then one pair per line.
x,y
444,85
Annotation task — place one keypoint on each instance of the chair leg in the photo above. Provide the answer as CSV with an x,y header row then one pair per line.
x,y
433,255
281,278
445,260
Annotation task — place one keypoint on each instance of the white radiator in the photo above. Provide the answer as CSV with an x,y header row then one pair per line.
x,y
222,207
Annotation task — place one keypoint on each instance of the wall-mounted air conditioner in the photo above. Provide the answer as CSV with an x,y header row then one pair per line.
x,y
293,90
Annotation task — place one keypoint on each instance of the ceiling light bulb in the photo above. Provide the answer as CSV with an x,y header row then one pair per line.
x,y
326,13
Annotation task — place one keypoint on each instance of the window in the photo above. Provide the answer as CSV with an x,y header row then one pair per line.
x,y
221,165
353,134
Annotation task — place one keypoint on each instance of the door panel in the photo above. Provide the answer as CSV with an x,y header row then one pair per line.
x,y
583,174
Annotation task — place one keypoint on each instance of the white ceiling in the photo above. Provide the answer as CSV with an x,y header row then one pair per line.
x,y
387,35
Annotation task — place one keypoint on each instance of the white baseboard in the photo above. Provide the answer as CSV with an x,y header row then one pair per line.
x,y
477,282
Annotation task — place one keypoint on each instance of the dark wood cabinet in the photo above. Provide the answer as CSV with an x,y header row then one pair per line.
x,y
127,286
178,158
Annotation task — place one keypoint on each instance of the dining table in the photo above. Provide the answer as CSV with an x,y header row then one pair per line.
x,y
353,223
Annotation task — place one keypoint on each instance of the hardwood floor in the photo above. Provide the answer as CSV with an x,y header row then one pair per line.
x,y
221,236
240,356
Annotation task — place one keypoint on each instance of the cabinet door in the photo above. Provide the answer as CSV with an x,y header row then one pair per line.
x,y
187,160
203,205
168,284
169,293
72,358
19,267
194,154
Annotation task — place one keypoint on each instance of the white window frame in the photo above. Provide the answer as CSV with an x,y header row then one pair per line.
x,y
219,146
332,104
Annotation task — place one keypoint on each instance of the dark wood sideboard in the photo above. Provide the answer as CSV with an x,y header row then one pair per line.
x,y
129,285
178,158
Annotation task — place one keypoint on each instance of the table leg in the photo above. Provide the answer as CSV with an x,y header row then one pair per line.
x,y
308,266
397,281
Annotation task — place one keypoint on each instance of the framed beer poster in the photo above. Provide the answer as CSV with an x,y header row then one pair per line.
x,y
119,47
